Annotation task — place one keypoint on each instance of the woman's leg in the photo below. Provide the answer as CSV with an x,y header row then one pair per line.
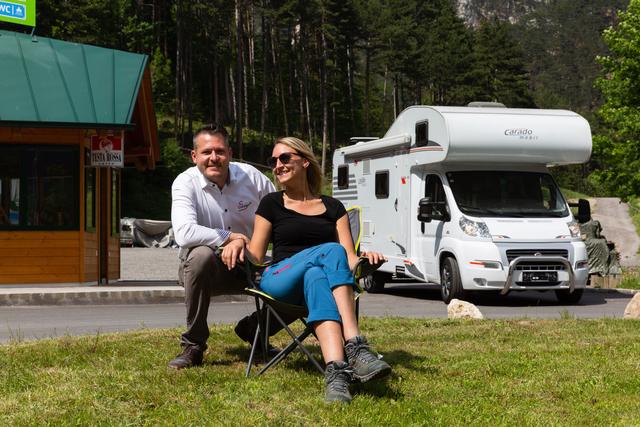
x,y
344,298
329,335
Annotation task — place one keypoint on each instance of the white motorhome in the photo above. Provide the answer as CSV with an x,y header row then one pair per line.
x,y
462,197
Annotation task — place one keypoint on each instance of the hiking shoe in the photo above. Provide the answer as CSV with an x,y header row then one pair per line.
x,y
189,357
337,378
366,364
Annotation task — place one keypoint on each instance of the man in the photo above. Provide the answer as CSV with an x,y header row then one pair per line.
x,y
213,203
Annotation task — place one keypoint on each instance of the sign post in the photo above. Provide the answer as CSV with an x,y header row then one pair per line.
x,y
22,12
107,150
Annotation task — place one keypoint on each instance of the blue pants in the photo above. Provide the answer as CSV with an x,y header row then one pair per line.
x,y
308,278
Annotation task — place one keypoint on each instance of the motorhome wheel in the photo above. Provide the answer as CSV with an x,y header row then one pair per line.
x,y
375,281
451,285
565,297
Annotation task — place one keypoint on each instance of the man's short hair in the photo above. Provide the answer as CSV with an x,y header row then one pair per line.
x,y
213,129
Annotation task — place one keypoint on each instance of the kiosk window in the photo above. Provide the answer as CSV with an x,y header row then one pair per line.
x,y
382,184
343,177
90,199
115,202
39,187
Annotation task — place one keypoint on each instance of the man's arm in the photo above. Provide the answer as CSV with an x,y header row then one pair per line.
x,y
184,219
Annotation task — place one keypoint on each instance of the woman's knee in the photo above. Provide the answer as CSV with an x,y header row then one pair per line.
x,y
336,248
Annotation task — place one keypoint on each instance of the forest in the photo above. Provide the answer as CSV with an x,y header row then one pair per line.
x,y
328,70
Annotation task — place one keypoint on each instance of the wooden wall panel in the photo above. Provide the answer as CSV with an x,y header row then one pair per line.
x,y
90,257
39,256
114,258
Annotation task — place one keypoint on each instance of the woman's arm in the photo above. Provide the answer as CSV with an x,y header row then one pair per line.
x,y
255,249
344,238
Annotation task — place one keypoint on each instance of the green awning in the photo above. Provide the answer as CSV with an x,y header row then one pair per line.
x,y
48,82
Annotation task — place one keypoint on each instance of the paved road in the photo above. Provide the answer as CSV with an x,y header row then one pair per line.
x,y
415,301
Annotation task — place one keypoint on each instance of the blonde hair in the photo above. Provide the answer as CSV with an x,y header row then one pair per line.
x,y
314,173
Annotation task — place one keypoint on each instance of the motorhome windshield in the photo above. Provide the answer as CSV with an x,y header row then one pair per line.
x,y
507,194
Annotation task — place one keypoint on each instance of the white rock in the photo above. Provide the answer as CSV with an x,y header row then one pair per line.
x,y
458,309
633,308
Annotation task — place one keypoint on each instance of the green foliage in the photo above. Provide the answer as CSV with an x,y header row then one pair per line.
x,y
618,146
446,373
162,82
500,67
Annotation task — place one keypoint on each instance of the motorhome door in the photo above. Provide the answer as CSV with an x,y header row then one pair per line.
x,y
428,234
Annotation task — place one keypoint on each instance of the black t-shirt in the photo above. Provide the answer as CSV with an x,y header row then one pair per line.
x,y
292,231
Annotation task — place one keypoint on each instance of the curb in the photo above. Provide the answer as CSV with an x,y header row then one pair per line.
x,y
614,291
97,296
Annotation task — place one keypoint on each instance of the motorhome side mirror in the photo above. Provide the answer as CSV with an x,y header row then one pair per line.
x,y
425,209
584,211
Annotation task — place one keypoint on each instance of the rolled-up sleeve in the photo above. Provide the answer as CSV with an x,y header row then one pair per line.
x,y
184,218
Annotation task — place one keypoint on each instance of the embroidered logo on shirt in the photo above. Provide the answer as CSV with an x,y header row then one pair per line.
x,y
242,206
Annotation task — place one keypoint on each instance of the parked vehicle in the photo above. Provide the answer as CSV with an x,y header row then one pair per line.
x,y
462,197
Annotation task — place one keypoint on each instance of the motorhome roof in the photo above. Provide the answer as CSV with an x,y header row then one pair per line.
x,y
461,134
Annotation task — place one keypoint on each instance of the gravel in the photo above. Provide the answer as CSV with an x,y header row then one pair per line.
x,y
149,264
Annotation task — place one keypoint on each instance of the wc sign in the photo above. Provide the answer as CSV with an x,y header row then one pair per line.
x,y
107,151
21,12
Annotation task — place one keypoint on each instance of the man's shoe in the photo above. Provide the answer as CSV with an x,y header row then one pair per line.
x,y
189,357
337,378
365,363
246,328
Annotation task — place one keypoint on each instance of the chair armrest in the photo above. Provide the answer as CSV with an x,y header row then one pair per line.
x,y
363,268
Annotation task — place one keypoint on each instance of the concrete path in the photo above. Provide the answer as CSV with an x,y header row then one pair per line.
x,y
618,228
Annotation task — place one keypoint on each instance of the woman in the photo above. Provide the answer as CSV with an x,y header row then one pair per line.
x,y
313,255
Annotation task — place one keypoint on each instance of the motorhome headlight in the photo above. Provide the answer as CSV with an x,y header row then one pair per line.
x,y
474,228
574,228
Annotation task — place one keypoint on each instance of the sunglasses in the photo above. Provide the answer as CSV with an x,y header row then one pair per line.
x,y
284,158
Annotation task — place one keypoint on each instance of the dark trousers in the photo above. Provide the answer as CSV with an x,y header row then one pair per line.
x,y
203,275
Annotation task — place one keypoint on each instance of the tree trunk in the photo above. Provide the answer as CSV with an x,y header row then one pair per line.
x,y
367,82
323,94
216,93
264,105
239,78
350,86
384,97
276,66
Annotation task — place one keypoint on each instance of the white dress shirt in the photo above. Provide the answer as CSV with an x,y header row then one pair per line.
x,y
204,215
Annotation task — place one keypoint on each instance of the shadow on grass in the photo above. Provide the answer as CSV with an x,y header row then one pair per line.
x,y
296,360
494,299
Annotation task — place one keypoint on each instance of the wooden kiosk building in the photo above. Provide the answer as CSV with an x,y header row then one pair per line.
x,y
59,214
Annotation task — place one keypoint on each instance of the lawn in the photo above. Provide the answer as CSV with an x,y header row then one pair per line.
x,y
517,372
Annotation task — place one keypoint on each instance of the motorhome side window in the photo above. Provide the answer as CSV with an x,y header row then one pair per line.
x,y
343,177
422,133
382,184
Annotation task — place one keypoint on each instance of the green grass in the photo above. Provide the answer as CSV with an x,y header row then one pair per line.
x,y
573,195
630,279
521,372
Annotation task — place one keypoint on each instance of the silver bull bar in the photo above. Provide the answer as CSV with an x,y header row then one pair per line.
x,y
551,259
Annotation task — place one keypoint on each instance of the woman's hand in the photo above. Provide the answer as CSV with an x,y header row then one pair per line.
x,y
376,259
232,252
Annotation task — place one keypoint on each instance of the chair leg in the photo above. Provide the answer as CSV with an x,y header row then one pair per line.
x,y
252,354
297,342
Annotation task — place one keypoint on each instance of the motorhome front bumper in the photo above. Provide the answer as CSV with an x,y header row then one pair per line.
x,y
537,270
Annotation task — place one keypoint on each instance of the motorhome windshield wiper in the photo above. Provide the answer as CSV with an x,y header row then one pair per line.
x,y
480,211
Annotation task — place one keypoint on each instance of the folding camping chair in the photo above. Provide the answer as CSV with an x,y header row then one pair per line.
x,y
270,309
